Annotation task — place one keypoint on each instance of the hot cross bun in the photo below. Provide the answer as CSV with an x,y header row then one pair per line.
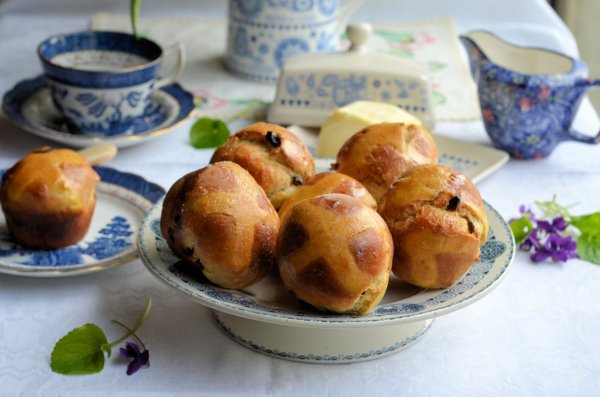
x,y
380,153
438,223
335,253
219,220
274,156
329,182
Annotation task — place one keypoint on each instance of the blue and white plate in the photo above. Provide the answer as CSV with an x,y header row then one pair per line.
x,y
266,318
122,200
29,105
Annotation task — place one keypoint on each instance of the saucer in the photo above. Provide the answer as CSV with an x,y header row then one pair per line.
x,y
122,199
266,318
29,105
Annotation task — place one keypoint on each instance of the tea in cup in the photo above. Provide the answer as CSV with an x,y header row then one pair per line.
x,y
103,81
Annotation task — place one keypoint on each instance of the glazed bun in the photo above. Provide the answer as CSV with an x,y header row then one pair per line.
x,y
219,220
329,182
438,223
48,198
274,156
335,253
380,153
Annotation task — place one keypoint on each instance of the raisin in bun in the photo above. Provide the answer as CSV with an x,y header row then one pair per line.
x,y
380,153
48,198
219,220
335,253
274,156
329,182
438,223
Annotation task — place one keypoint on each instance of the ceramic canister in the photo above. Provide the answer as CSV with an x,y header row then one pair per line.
x,y
262,34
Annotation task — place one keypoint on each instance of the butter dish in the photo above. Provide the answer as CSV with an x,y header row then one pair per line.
x,y
311,86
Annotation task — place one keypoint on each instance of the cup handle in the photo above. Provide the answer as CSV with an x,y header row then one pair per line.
x,y
578,136
174,76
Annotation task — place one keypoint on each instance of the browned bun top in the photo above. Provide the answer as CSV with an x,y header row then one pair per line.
x,y
380,153
335,253
219,219
439,187
329,182
437,219
48,198
49,180
274,156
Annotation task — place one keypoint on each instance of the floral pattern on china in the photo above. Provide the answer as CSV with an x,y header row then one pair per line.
x,y
263,34
312,86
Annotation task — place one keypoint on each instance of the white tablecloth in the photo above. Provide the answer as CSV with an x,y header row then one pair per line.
x,y
535,335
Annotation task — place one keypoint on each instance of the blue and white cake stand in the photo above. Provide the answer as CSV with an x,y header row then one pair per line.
x,y
266,318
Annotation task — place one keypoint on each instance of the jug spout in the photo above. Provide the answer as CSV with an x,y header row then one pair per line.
x,y
474,54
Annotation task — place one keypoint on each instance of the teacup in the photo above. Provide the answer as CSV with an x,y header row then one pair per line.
x,y
528,96
262,34
103,81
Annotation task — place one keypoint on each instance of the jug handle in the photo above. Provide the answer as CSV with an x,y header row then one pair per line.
x,y
584,138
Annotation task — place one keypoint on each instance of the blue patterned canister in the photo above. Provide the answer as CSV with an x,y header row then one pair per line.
x,y
263,34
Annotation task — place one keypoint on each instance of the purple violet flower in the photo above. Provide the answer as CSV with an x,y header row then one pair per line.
x,y
140,358
546,240
557,247
558,225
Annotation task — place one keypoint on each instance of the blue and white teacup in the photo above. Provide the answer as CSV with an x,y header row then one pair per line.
x,y
263,34
103,81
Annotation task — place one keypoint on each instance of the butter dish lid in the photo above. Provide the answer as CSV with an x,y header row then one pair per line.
x,y
311,86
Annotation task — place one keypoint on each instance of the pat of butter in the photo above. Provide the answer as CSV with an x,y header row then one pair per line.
x,y
348,120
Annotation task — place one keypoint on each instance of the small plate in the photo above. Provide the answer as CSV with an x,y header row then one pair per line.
x,y
475,161
121,202
30,106
266,318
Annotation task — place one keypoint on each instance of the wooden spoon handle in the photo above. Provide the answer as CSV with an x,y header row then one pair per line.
x,y
99,154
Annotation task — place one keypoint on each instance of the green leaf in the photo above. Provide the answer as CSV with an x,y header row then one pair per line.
x,y
81,351
588,247
135,6
208,133
587,223
521,228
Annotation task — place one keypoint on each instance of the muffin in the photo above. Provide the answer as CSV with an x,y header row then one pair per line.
x,y
329,182
217,219
438,223
274,156
335,253
378,154
48,198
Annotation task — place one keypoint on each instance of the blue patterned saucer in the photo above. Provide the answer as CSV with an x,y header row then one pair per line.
x,y
266,318
29,105
121,202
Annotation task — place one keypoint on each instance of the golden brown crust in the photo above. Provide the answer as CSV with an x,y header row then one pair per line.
x,y
48,198
219,219
329,182
335,253
438,223
273,155
380,153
